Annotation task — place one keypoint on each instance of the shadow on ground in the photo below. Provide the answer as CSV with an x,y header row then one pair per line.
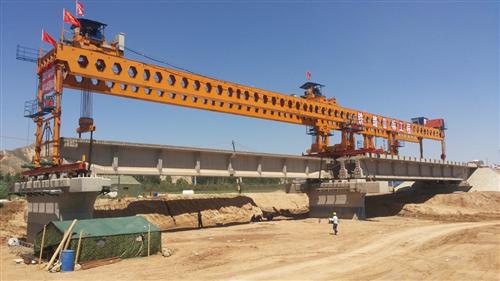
x,y
384,205
175,207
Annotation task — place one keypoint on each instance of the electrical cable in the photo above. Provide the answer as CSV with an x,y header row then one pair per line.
x,y
189,71
161,61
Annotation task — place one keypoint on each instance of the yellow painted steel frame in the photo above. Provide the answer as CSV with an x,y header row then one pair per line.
x,y
115,75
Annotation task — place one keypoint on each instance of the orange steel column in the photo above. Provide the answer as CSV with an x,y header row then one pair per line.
x,y
39,126
344,140
56,159
352,140
368,142
371,144
319,142
391,143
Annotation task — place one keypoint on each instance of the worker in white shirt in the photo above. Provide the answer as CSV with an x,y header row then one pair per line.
x,y
335,222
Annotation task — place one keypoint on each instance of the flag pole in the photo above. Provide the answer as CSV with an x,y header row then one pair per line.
x,y
62,27
40,50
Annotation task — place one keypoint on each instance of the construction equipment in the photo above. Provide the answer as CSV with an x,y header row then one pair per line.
x,y
88,61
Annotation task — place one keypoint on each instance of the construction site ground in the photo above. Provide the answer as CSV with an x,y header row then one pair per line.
x,y
427,240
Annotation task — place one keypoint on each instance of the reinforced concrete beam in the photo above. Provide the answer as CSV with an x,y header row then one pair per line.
x,y
120,158
388,167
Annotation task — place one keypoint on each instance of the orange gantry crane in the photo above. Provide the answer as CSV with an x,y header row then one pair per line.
x,y
88,62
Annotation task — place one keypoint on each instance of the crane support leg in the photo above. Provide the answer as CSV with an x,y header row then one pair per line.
x,y
443,150
393,146
421,144
322,140
56,159
368,142
38,142
352,144
39,125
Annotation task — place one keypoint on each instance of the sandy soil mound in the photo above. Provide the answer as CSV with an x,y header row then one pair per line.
x,y
181,211
485,179
282,204
473,206
177,211
12,219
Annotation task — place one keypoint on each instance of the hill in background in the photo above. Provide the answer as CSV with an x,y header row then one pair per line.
x,y
11,160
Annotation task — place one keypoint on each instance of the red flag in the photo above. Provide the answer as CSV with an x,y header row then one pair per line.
x,y
47,38
69,18
79,9
308,75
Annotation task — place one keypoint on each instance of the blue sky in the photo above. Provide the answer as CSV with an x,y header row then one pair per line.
x,y
400,59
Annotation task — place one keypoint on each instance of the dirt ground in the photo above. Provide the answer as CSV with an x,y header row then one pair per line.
x,y
393,248
12,220
175,211
406,237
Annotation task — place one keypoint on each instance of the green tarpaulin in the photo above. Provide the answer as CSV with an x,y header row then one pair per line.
x,y
123,237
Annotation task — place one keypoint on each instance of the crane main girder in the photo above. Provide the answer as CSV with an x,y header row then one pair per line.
x,y
104,70
165,85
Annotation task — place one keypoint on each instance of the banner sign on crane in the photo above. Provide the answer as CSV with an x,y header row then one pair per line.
x,y
375,121
408,128
393,125
49,102
49,79
384,123
360,118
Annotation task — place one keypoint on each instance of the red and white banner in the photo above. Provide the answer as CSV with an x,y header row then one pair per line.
x,y
49,79
393,125
47,38
360,118
375,121
308,75
79,9
69,18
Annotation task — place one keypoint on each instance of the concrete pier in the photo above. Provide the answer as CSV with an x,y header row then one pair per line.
x,y
347,199
59,199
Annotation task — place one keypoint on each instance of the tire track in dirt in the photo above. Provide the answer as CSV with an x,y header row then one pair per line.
x,y
336,266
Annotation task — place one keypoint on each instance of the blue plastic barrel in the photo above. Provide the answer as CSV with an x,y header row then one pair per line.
x,y
67,260
155,194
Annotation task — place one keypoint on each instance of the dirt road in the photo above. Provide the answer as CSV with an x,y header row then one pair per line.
x,y
392,248
377,259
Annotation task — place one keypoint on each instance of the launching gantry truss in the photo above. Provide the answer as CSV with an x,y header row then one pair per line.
x,y
84,63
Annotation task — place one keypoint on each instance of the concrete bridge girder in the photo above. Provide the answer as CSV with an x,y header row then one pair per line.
x,y
143,159
387,167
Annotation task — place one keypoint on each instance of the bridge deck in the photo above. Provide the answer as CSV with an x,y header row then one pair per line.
x,y
110,157
114,158
389,167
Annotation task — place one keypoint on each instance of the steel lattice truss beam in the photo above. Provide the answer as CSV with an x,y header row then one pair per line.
x,y
118,76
